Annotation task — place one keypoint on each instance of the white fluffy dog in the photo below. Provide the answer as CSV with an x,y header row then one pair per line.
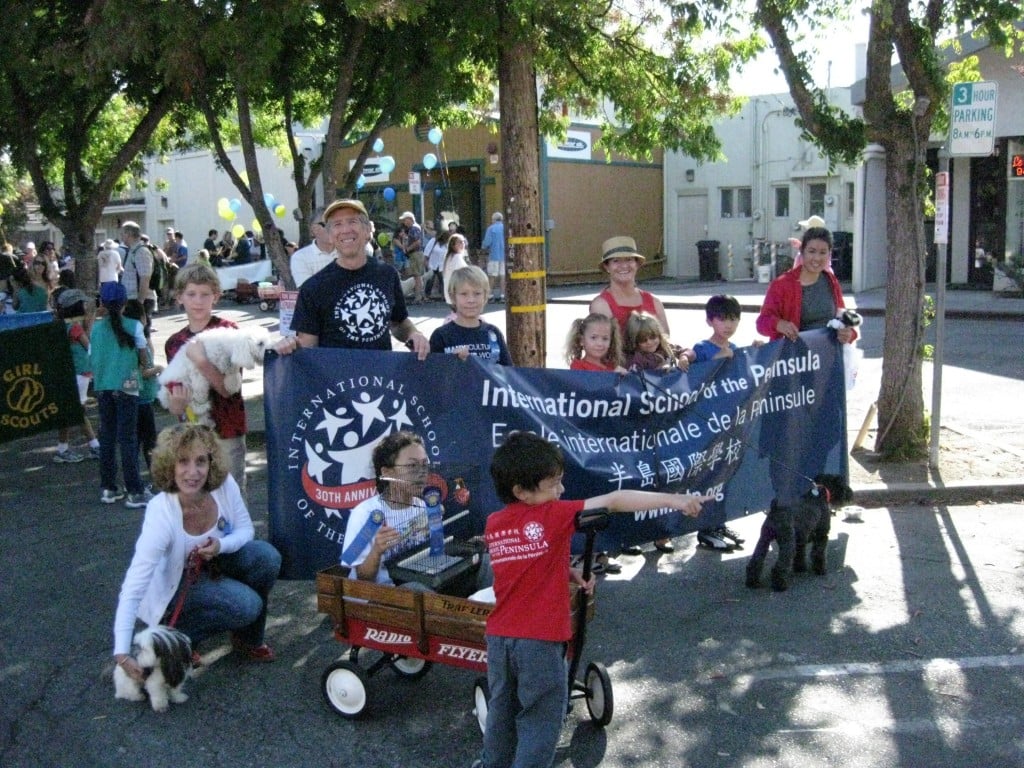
x,y
165,655
228,349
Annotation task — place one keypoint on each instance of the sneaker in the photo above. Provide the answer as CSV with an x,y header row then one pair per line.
x,y
710,538
634,550
136,500
67,457
729,533
94,452
109,496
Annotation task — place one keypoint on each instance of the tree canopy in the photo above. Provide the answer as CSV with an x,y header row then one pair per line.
x,y
906,87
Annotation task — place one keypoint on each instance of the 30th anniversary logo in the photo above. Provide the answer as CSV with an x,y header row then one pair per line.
x,y
331,445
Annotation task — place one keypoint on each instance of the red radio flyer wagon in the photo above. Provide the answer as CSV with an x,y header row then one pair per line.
x,y
414,629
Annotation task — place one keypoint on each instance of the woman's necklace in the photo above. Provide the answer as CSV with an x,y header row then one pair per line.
x,y
195,513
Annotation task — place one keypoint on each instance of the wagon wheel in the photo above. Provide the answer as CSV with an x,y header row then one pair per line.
x,y
344,687
264,305
410,668
481,693
599,693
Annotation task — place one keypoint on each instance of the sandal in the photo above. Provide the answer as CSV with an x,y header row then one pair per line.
x,y
603,565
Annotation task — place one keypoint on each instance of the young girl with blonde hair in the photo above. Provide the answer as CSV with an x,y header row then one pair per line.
x,y
593,344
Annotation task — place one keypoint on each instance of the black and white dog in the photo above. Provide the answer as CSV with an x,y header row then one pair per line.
x,y
165,655
792,527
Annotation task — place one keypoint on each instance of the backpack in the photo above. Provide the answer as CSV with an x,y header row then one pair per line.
x,y
159,276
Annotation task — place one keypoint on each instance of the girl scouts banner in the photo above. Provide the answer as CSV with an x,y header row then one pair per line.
x,y
37,377
742,429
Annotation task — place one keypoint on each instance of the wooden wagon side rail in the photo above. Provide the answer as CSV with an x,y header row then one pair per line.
x,y
345,599
421,614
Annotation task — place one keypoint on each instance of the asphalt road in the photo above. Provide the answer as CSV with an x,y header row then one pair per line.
x,y
908,653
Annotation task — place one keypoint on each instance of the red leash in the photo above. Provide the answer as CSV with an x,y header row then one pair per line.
x,y
193,567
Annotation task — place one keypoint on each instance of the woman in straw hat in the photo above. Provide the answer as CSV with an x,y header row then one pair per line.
x,y
621,260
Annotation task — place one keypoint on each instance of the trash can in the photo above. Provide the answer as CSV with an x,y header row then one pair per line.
x,y
842,255
707,256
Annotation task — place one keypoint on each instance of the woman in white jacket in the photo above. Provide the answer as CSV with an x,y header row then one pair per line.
x,y
197,565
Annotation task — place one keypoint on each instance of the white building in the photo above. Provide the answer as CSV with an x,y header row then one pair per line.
x,y
182,193
770,179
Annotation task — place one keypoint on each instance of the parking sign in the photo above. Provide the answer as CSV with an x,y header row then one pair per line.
x,y
972,118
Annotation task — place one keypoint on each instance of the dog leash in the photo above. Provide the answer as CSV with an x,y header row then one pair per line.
x,y
193,567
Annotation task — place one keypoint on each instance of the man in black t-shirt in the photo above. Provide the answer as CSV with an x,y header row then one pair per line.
x,y
353,302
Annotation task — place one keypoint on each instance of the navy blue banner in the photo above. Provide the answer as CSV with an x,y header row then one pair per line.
x,y
741,429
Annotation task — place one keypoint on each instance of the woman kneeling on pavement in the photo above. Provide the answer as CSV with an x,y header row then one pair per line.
x,y
197,565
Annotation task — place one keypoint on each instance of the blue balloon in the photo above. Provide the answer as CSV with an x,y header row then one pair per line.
x,y
235,204
360,182
389,194
387,164
434,134
269,200
429,160
378,145
437,192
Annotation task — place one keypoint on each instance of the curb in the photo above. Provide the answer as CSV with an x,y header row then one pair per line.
x,y
880,495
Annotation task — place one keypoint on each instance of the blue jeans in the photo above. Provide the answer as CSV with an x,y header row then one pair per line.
x,y
234,601
119,418
529,696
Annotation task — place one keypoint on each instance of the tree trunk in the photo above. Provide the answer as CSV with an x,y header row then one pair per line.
x,y
901,429
520,158
78,236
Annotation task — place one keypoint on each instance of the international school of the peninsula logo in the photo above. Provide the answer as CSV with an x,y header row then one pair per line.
x,y
331,446
363,313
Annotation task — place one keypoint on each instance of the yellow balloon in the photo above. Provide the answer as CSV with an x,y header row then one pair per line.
x,y
256,226
2,209
279,211
238,230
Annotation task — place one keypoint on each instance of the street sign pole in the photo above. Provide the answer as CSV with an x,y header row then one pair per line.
x,y
941,249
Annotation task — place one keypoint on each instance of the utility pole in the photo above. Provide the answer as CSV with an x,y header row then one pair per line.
x,y
526,291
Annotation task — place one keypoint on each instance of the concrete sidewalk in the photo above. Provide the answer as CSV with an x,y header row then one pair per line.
x,y
960,303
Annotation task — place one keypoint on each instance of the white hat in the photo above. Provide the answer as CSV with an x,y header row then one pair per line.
x,y
407,215
812,221
30,246
109,245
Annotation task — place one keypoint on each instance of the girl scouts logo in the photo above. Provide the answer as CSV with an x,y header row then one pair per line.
x,y
337,434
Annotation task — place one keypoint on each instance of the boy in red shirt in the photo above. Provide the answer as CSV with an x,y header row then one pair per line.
x,y
528,542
